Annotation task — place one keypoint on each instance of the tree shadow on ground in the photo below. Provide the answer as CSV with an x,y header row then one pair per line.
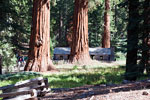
x,y
84,85
95,90
12,78
104,76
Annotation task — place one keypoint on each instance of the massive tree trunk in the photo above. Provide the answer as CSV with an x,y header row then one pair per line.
x,y
39,53
146,37
79,46
106,35
132,40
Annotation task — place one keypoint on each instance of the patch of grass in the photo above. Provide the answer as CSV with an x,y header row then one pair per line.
x,y
120,56
143,77
73,78
7,79
78,76
89,77
75,67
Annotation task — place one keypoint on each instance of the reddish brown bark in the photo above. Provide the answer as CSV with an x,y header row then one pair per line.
x,y
79,47
106,35
39,53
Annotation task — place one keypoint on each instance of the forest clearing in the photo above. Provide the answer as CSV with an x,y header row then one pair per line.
x,y
80,82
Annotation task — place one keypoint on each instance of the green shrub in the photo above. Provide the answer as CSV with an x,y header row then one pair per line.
x,y
8,56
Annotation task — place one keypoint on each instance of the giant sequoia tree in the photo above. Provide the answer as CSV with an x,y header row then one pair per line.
x,y
39,53
79,46
132,36
106,35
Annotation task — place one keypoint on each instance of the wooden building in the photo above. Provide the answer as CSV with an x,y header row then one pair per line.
x,y
103,54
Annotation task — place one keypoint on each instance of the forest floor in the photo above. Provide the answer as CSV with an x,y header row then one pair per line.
x,y
139,90
129,91
69,83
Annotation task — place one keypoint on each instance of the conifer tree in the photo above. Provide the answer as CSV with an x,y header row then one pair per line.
x,y
132,40
106,35
146,37
39,53
79,46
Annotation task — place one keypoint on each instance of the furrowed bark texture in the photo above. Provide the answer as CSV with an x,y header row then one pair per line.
x,y
39,53
79,46
106,35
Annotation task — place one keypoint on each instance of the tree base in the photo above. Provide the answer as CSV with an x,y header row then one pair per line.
x,y
82,60
37,67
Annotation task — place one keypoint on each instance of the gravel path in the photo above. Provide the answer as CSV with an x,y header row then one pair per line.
x,y
129,91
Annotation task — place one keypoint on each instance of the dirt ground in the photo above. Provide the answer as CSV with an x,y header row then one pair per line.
x,y
128,91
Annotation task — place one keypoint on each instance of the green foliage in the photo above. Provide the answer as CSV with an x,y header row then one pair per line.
x,y
118,28
21,22
93,4
61,17
75,67
8,58
19,76
15,28
118,20
120,56
53,2
96,20
6,51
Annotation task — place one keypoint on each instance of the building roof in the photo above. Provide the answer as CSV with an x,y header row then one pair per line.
x,y
100,51
92,51
62,50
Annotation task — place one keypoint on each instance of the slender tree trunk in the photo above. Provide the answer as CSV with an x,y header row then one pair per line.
x,y
146,37
79,46
39,53
115,15
69,35
106,35
132,40
60,25
0,64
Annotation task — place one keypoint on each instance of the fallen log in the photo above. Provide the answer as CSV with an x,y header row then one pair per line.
x,y
26,89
